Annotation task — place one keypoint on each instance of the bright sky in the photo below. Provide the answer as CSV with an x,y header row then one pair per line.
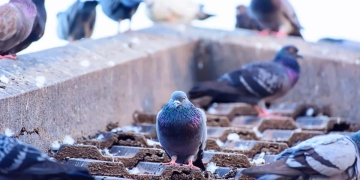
x,y
319,18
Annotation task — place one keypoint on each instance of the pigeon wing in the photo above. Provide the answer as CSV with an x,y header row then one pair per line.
x,y
260,79
289,12
328,155
9,19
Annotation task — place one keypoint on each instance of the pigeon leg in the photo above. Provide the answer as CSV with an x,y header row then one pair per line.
x,y
264,32
9,56
119,22
191,165
280,34
262,111
172,162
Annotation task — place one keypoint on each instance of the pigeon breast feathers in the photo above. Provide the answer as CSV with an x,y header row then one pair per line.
x,y
9,21
289,12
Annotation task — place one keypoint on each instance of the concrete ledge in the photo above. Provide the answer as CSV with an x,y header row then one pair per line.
x,y
78,89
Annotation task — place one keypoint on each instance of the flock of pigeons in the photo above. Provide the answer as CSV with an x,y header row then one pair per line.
x,y
181,127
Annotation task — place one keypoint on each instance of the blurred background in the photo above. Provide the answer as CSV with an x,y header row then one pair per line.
x,y
320,18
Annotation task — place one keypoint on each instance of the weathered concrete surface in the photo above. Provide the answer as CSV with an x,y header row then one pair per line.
x,y
77,100
94,82
329,72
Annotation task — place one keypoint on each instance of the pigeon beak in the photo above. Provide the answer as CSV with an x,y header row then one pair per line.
x,y
177,103
299,56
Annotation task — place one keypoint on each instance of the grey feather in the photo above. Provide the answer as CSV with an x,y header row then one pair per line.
x,y
329,156
21,161
181,129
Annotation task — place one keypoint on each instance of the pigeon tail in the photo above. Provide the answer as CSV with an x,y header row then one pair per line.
x,y
198,161
220,91
276,168
202,16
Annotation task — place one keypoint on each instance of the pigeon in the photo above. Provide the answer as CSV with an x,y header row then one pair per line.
x,y
16,21
119,10
255,83
244,21
183,11
331,156
354,45
77,21
21,161
37,31
277,16
181,130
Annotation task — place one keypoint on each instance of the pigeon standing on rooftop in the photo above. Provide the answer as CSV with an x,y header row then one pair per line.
x,y
16,21
119,10
254,83
21,161
77,21
181,130
244,21
331,156
277,16
183,11
37,31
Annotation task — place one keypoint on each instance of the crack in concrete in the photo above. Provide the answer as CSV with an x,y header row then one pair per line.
x,y
24,130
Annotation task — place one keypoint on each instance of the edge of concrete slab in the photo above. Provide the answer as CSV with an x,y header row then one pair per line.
x,y
78,89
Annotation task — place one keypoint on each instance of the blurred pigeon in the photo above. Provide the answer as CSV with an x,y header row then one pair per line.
x,y
243,20
276,15
181,130
16,22
331,156
254,83
21,161
119,10
354,45
183,11
37,30
77,21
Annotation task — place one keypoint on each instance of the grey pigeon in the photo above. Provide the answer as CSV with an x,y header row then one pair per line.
x,y
255,83
21,161
77,21
354,45
119,10
331,156
276,15
181,130
37,31
245,21
184,11
16,22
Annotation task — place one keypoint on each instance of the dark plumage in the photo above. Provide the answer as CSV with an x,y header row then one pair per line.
x,y
254,83
331,156
181,130
276,15
243,20
21,161
77,21
354,45
119,10
16,22
37,30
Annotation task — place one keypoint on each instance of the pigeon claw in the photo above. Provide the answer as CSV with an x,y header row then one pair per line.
x,y
264,32
264,113
280,34
191,165
9,56
171,163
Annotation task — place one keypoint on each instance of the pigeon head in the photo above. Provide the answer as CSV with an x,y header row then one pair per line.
x,y
356,138
289,50
179,99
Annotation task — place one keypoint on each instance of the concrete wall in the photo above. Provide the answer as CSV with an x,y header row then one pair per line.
x,y
93,82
